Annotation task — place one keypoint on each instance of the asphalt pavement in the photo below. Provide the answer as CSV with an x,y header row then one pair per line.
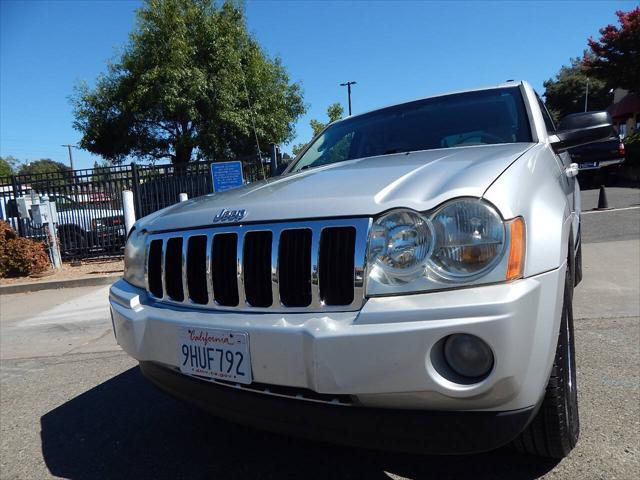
x,y
72,405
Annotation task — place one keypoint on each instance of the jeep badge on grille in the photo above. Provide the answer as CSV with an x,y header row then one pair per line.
x,y
226,216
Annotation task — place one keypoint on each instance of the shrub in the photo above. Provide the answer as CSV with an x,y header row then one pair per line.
x,y
20,256
632,158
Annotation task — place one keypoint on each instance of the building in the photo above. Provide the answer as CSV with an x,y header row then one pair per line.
x,y
625,112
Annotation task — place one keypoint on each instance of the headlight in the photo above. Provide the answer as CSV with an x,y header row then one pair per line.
x,y
134,258
463,242
470,239
400,243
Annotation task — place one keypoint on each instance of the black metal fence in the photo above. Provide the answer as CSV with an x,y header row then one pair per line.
x,y
89,201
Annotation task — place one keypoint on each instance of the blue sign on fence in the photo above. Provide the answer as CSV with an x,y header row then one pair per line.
x,y
226,175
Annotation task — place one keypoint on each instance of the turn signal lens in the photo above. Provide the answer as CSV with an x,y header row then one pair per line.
x,y
515,267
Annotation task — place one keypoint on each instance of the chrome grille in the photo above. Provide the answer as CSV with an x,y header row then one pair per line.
x,y
300,266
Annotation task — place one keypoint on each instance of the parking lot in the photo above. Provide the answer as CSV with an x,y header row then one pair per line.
x,y
74,406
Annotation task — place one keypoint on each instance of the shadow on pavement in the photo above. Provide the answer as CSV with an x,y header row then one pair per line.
x,y
124,428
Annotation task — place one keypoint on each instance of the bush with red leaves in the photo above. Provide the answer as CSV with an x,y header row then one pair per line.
x,y
616,55
20,256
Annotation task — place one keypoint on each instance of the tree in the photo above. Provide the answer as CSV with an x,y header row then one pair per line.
x,y
102,171
334,113
8,165
182,89
43,166
566,93
616,56
47,171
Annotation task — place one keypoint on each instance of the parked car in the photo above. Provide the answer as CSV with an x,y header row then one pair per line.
x,y
604,158
407,282
88,226
81,225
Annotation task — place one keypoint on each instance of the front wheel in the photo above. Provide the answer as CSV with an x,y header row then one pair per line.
x,y
555,429
72,241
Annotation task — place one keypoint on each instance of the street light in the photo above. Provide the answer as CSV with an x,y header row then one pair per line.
x,y
348,85
586,96
70,155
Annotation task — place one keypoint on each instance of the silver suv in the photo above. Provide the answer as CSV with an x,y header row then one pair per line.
x,y
405,284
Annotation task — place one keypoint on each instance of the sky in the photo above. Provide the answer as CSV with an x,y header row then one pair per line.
x,y
395,51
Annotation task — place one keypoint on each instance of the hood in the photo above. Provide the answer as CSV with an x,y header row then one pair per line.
x,y
362,187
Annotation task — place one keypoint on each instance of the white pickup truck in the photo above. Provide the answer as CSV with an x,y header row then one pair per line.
x,y
405,284
84,224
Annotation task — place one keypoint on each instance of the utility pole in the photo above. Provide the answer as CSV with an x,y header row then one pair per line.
x,y
70,155
586,96
348,85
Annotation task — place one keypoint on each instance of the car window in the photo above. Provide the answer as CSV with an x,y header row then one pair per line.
x,y
472,118
548,121
326,152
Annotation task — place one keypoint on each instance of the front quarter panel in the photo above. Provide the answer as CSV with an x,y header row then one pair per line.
x,y
532,188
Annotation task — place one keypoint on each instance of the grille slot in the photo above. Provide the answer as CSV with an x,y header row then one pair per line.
x,y
224,267
197,269
337,248
257,268
154,268
173,269
294,262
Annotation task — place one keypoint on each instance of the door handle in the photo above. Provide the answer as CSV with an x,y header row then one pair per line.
x,y
571,170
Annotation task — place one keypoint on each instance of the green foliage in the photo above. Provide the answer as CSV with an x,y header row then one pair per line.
x,y
565,94
43,166
101,171
615,57
20,256
297,148
180,89
8,165
633,139
334,113
45,170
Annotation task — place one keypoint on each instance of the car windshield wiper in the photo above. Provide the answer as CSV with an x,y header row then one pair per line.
x,y
395,150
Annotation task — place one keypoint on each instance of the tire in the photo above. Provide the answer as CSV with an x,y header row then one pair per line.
x,y
72,241
555,429
578,262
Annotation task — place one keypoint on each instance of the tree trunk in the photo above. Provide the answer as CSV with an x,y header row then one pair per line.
x,y
182,158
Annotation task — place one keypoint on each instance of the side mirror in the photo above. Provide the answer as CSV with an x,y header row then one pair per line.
x,y
279,169
581,128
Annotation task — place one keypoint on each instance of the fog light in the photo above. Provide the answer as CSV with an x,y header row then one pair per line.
x,y
468,355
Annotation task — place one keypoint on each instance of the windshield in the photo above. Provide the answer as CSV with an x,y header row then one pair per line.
x,y
472,118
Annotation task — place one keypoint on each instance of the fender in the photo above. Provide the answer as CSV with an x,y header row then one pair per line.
x,y
531,188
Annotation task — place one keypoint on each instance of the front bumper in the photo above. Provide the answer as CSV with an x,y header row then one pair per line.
x,y
402,430
380,356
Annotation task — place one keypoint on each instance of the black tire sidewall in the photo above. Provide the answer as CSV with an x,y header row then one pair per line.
x,y
71,241
566,343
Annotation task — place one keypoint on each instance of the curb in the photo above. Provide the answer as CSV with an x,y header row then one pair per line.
x,y
56,284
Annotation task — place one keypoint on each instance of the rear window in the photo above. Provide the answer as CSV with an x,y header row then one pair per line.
x,y
472,118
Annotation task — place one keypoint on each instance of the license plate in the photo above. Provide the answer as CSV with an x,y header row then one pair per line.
x,y
588,165
215,354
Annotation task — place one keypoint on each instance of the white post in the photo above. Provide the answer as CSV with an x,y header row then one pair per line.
x,y
129,210
183,197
